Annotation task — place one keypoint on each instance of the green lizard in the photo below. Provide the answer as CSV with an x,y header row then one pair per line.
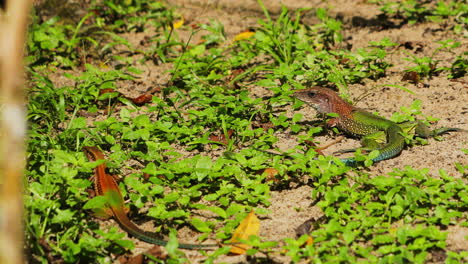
x,y
376,132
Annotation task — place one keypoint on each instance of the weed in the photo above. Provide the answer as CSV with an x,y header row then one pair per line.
x,y
378,214
459,67
413,11
427,66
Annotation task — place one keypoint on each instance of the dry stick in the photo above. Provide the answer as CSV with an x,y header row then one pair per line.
x,y
13,25
337,140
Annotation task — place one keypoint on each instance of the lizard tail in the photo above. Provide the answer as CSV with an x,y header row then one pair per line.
x,y
444,130
395,144
150,237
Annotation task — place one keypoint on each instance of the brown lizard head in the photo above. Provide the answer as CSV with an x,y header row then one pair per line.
x,y
322,99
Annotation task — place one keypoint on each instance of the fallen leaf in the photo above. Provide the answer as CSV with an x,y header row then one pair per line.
x,y
270,174
247,227
103,65
195,26
411,76
221,138
178,23
304,229
235,73
142,99
146,176
155,252
138,259
244,35
106,90
264,126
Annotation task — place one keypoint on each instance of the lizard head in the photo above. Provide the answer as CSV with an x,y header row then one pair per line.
x,y
322,99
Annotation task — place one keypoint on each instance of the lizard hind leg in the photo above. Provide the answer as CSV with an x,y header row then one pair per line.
x,y
370,142
374,141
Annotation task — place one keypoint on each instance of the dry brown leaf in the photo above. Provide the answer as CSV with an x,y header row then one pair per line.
x,y
411,76
142,99
221,138
107,90
247,227
270,174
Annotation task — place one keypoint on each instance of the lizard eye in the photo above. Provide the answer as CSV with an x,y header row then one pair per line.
x,y
311,94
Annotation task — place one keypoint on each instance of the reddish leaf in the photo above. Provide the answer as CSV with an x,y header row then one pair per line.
x,y
236,72
107,90
195,26
221,138
270,174
142,99
265,126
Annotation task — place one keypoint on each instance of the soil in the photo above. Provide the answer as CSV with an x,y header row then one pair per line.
x,y
442,98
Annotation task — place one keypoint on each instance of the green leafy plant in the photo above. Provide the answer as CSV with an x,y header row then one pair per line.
x,y
371,214
427,66
304,55
216,33
133,15
459,67
46,40
413,11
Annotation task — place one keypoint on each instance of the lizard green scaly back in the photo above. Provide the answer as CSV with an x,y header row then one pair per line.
x,y
362,123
